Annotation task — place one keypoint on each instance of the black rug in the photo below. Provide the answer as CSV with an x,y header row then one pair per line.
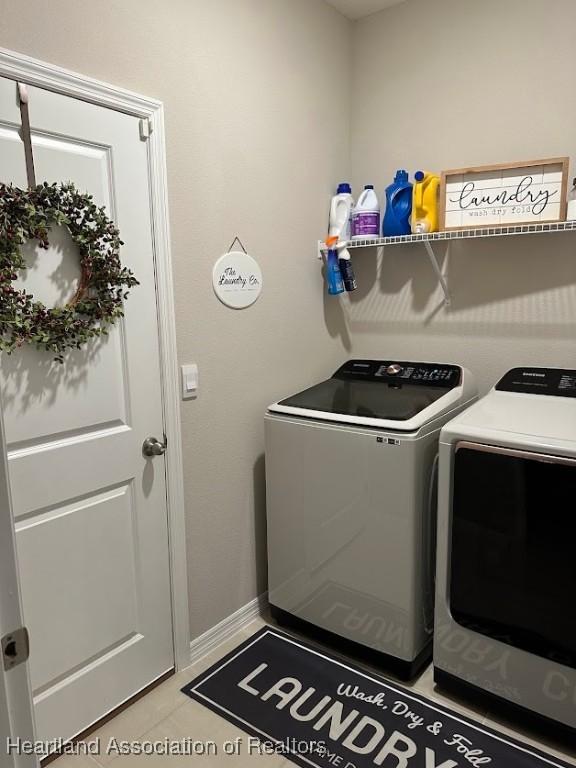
x,y
320,712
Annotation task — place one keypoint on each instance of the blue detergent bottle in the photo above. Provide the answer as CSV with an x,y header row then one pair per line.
x,y
398,206
333,274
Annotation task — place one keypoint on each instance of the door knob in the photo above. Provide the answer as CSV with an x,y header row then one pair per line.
x,y
153,447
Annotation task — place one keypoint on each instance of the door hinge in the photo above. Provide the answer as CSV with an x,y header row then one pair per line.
x,y
15,648
145,128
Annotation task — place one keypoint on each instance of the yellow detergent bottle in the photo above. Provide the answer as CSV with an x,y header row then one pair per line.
x,y
425,203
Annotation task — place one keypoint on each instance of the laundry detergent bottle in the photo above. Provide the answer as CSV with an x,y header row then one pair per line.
x,y
366,217
398,206
341,210
333,274
339,270
425,203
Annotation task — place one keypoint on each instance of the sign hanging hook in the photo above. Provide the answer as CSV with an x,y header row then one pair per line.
x,y
237,240
25,133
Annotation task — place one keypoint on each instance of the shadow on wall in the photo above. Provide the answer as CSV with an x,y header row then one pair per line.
x,y
511,286
260,532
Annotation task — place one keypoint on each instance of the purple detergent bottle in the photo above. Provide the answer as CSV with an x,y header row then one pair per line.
x,y
398,206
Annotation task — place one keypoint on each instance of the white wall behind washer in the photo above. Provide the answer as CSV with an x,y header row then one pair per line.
x,y
445,84
253,150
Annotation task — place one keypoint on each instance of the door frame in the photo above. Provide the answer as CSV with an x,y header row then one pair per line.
x,y
17,66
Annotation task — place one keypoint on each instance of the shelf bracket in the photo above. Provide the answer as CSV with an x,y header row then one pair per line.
x,y
438,271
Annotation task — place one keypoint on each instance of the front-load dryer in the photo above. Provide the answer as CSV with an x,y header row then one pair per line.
x,y
351,505
506,565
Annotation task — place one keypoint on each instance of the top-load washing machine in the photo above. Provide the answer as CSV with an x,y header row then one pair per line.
x,y
351,505
506,578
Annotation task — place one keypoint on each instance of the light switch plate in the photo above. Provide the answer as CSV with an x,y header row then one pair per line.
x,y
189,381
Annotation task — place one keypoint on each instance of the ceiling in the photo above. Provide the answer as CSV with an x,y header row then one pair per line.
x,y
357,9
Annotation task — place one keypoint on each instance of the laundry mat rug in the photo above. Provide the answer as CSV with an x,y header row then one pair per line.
x,y
320,712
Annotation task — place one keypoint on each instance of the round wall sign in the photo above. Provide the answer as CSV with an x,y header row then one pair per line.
x,y
237,279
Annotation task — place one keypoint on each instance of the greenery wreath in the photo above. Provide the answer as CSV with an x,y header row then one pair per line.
x,y
104,283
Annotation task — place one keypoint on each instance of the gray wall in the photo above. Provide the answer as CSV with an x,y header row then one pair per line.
x,y
253,150
441,84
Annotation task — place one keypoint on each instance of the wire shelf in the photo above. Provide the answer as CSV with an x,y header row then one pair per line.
x,y
457,234
465,234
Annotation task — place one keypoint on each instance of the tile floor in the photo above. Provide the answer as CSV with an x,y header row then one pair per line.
x,y
168,713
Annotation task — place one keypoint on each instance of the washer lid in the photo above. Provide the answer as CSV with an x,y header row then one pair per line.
x,y
374,391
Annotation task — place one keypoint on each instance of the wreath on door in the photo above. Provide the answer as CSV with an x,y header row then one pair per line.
x,y
104,283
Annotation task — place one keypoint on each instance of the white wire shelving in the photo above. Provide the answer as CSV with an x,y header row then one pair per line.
x,y
448,236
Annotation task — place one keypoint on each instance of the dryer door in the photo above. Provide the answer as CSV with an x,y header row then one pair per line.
x,y
512,569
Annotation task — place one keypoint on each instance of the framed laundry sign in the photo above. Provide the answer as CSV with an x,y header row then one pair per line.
x,y
530,192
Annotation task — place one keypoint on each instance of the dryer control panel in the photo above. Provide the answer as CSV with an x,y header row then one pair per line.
x,y
402,372
560,382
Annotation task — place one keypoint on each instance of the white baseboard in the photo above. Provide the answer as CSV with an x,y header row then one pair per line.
x,y
227,627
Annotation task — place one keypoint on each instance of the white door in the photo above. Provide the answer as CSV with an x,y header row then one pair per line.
x,y
90,511
16,715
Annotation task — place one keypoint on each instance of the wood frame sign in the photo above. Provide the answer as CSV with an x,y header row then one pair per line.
x,y
531,192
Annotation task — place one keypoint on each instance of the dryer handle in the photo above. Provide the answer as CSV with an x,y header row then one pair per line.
x,y
430,548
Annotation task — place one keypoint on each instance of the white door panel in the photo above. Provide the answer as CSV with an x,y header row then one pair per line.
x,y
90,510
16,714
71,539
81,399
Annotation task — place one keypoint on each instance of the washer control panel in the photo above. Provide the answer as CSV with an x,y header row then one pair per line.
x,y
560,382
401,372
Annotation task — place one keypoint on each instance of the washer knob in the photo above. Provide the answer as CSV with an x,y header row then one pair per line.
x,y
394,369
